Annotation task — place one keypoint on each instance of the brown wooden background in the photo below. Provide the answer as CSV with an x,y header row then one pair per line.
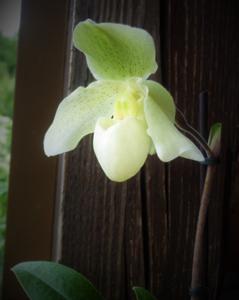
x,y
141,233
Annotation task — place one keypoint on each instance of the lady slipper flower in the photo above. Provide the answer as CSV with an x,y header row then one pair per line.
x,y
129,115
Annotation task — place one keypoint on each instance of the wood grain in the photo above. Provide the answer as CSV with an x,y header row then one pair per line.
x,y
199,53
39,86
142,232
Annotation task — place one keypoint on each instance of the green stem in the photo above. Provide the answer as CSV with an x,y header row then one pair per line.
x,y
198,267
198,255
198,263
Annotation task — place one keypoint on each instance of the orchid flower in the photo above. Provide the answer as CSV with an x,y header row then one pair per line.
x,y
129,115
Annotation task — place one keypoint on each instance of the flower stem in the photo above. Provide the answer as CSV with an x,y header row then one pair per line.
x,y
198,263
197,283
198,289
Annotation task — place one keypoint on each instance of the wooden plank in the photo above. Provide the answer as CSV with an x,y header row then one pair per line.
x,y
39,86
142,232
102,223
199,51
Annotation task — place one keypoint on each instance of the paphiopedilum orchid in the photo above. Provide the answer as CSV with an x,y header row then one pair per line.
x,y
129,115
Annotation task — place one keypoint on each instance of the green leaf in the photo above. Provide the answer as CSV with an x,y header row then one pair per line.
x,y
143,294
214,139
78,113
115,51
52,281
168,141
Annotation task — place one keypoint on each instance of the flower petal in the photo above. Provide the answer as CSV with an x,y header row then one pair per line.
x,y
115,51
121,147
77,114
163,98
169,142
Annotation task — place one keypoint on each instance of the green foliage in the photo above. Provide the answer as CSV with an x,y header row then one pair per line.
x,y
215,135
6,91
5,141
7,74
52,281
7,80
8,53
143,294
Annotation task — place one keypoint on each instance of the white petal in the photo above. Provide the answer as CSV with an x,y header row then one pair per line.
x,y
77,114
121,147
168,140
162,97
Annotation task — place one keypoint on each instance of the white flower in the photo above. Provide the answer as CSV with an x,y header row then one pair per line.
x,y
129,115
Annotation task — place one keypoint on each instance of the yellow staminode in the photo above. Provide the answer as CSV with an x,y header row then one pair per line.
x,y
130,102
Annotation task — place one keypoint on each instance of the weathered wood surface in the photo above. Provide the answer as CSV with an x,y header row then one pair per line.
x,y
39,85
142,232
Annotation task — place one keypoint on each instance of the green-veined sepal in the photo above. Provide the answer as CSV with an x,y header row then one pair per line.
x,y
115,51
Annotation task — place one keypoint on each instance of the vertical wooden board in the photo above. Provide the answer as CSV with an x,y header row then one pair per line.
x,y
142,232
102,221
156,228
39,86
170,198
222,45
198,43
155,193
93,223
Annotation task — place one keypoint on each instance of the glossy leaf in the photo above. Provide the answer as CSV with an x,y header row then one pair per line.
x,y
52,281
143,294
